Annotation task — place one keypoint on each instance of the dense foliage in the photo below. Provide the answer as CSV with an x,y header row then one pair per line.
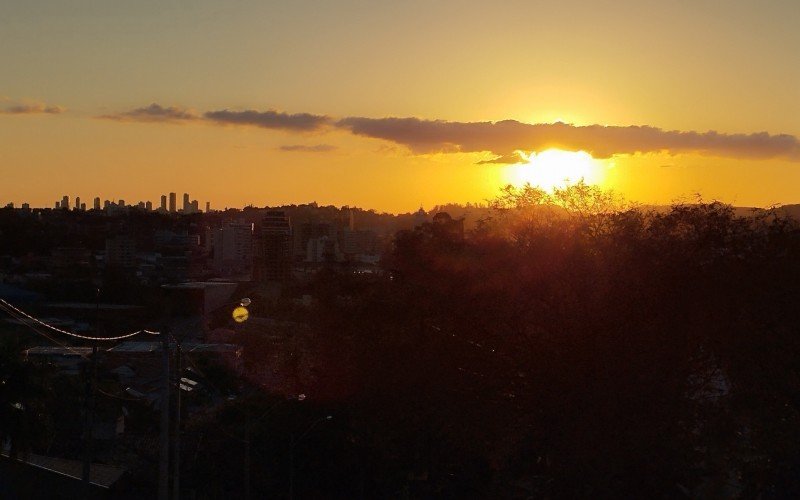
x,y
572,347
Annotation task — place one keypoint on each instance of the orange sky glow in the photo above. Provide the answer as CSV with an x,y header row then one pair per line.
x,y
391,106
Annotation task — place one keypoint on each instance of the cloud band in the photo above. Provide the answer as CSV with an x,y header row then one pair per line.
x,y
504,138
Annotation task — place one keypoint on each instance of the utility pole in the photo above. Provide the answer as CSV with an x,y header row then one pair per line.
x,y
176,472
91,375
91,381
163,462
291,466
247,454
292,443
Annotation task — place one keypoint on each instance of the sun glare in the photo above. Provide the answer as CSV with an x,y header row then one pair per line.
x,y
556,168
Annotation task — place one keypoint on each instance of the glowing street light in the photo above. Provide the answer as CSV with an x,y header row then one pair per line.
x,y
240,314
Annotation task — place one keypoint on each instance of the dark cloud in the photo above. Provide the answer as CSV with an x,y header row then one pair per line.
x,y
31,109
315,148
514,157
504,138
299,122
154,113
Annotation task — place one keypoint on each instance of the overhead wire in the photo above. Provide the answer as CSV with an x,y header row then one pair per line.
x,y
23,320
72,334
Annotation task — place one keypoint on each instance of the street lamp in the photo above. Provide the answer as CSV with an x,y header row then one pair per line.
x,y
240,313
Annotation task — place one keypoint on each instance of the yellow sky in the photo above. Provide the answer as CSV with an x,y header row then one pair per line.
x,y
728,67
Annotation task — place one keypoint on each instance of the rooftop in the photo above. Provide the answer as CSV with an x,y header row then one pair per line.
x,y
99,474
58,351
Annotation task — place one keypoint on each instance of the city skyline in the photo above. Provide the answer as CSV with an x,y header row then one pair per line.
x,y
188,205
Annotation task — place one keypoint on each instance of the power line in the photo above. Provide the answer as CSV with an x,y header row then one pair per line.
x,y
36,330
71,334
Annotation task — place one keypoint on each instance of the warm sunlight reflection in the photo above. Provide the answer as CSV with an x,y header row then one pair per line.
x,y
554,167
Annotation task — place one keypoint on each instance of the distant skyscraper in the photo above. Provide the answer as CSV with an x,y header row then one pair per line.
x,y
148,206
208,206
58,204
121,203
65,202
233,248
83,207
77,203
164,202
273,256
186,203
173,202
97,203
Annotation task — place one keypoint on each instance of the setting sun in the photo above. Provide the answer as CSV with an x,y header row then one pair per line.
x,y
554,167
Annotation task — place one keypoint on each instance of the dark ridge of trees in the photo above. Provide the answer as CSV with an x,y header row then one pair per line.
x,y
574,347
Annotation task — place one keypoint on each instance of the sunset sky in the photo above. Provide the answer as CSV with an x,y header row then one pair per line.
x,y
393,105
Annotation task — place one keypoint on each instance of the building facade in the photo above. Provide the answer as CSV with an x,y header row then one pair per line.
x,y
273,248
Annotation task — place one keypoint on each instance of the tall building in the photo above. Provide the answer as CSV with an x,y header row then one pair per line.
x,y
148,206
186,203
163,203
208,207
121,252
77,203
273,249
322,250
65,202
233,248
308,231
358,242
97,203
173,202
